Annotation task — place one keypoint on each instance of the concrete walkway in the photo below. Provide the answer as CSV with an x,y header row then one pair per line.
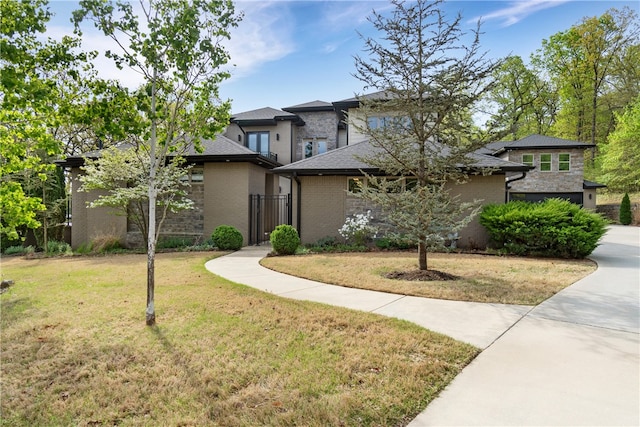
x,y
572,360
475,323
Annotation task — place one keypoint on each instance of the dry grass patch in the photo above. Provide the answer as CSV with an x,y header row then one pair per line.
x,y
481,278
76,351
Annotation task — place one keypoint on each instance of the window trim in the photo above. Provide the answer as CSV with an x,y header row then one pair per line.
x,y
315,147
543,162
563,162
259,142
530,163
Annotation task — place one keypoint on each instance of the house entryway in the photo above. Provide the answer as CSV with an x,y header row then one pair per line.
x,y
266,212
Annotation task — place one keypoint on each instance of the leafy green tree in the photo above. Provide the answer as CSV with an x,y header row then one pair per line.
x,y
525,102
581,61
32,91
121,176
430,73
176,46
621,156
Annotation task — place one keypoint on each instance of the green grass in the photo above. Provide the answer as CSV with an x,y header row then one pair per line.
x,y
76,351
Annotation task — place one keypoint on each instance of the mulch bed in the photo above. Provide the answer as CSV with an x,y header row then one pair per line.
x,y
420,275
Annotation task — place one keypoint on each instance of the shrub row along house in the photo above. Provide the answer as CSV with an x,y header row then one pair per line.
x,y
300,165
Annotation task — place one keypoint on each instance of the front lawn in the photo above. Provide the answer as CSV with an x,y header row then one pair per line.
x,y
482,278
75,351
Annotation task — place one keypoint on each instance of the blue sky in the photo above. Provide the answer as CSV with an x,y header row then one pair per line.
x,y
290,52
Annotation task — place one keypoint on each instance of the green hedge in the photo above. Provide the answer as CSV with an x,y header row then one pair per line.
x,y
553,228
227,238
284,240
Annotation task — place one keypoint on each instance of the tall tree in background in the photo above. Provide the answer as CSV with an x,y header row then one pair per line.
x,y
176,46
581,61
36,78
621,156
431,73
525,102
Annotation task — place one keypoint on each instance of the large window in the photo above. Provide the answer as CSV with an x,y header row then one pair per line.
x,y
314,147
564,162
258,142
395,122
545,162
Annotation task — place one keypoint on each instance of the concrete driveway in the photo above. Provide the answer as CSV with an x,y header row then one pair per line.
x,y
574,360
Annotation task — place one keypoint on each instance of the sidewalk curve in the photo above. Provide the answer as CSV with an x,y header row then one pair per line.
x,y
478,324
572,360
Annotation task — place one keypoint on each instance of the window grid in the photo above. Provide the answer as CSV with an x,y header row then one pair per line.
x,y
545,162
564,162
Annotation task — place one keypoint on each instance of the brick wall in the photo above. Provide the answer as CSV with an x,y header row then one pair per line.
x,y
326,204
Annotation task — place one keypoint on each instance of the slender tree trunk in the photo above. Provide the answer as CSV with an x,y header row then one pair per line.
x,y
151,223
422,255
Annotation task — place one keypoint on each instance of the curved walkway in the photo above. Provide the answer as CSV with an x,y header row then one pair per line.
x,y
572,360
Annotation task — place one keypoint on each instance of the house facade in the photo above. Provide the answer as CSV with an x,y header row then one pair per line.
x,y
298,164
557,169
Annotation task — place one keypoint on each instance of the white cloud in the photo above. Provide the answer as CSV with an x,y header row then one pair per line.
x,y
517,11
265,34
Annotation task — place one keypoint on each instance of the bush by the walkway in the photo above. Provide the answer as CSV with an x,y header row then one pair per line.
x,y
285,240
227,238
554,228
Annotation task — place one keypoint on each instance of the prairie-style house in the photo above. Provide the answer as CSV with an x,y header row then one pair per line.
x,y
297,166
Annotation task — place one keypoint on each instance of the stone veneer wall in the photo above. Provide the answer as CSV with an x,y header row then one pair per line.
x,y
554,181
318,124
188,224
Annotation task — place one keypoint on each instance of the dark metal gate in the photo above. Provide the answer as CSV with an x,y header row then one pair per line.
x,y
265,214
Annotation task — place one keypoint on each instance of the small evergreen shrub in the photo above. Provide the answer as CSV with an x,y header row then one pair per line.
x,y
55,247
284,240
625,210
554,228
173,242
394,242
15,250
227,238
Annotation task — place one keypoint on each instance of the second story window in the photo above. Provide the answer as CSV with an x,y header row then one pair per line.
x,y
527,159
314,147
564,162
258,142
545,162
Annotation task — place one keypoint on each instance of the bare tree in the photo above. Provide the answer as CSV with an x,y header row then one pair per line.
x,y
429,74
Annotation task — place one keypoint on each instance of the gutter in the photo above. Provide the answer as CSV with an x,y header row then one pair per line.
x,y
507,186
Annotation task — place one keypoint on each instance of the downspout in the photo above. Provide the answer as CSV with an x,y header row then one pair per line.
x,y
298,204
509,181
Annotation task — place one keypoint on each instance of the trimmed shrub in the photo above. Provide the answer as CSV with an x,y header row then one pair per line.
x,y
227,238
284,240
554,228
55,247
174,242
625,210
